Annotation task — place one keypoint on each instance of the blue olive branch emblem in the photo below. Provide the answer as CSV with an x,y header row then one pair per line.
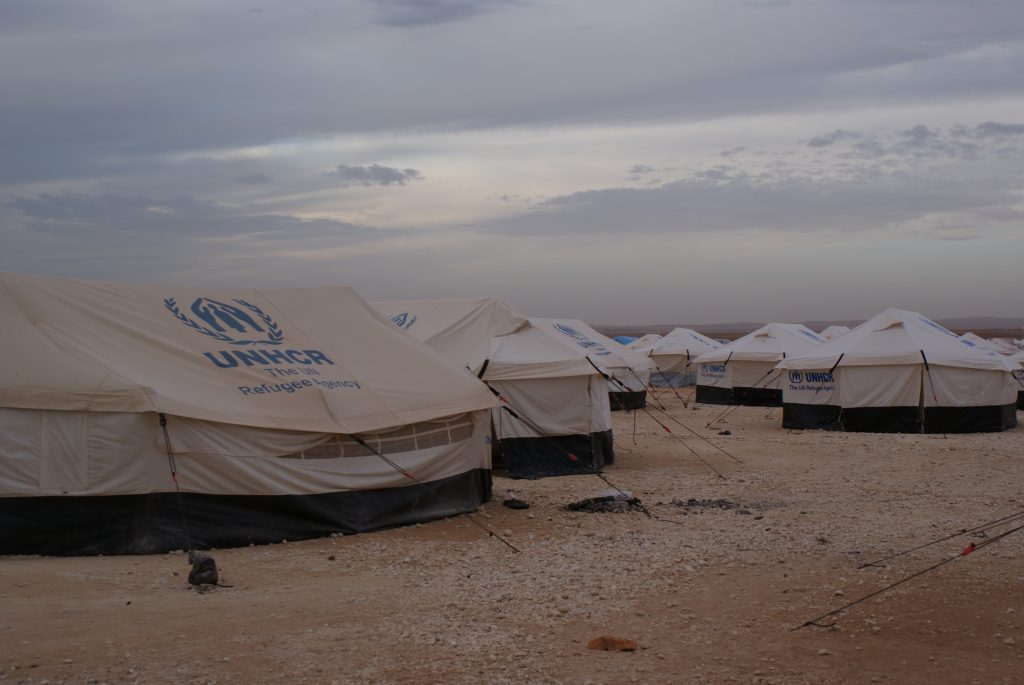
x,y
220,317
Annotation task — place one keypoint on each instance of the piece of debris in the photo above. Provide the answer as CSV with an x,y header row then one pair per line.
x,y
515,503
610,643
204,569
725,432
609,501
705,504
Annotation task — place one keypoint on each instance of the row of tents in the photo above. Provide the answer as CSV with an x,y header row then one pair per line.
x,y
897,372
141,418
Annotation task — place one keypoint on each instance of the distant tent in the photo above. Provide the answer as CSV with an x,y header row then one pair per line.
x,y
833,332
629,371
675,357
562,423
1018,375
899,372
269,397
975,340
624,339
1005,346
645,342
743,372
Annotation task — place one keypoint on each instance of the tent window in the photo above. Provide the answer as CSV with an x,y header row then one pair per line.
x,y
417,436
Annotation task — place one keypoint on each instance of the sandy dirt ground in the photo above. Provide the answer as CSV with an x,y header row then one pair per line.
x,y
710,594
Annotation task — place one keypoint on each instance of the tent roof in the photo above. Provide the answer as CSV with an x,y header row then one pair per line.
x,y
602,350
645,342
470,331
834,331
771,342
897,337
313,359
684,341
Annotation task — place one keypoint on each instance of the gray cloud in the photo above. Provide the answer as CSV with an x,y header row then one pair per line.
x,y
919,135
174,218
253,179
730,199
409,13
376,175
641,169
157,82
992,128
831,138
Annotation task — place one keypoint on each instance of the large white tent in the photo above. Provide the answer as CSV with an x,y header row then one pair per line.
x,y
743,372
265,394
899,372
675,357
629,372
560,422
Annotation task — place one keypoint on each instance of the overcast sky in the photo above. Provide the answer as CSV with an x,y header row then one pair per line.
x,y
622,162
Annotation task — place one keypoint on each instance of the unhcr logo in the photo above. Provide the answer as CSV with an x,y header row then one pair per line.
x,y
796,377
582,340
403,320
245,324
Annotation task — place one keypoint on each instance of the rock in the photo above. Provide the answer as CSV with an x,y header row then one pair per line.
x,y
823,652
611,643
725,432
515,503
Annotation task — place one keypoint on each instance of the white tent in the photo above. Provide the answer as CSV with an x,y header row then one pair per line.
x,y
263,393
1005,346
561,422
834,331
629,371
742,372
899,372
645,342
1018,375
675,357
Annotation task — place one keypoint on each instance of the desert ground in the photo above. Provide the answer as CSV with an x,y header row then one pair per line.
x,y
710,594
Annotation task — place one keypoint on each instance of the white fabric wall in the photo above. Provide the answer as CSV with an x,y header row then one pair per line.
x,y
746,374
948,386
557,406
715,374
93,453
879,386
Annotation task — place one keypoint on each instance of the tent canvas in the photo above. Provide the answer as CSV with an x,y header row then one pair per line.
x,y
675,357
645,342
899,372
1018,375
629,372
560,421
743,372
834,331
262,391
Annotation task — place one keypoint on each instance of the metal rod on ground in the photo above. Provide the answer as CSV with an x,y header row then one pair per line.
x,y
966,551
981,528
705,439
